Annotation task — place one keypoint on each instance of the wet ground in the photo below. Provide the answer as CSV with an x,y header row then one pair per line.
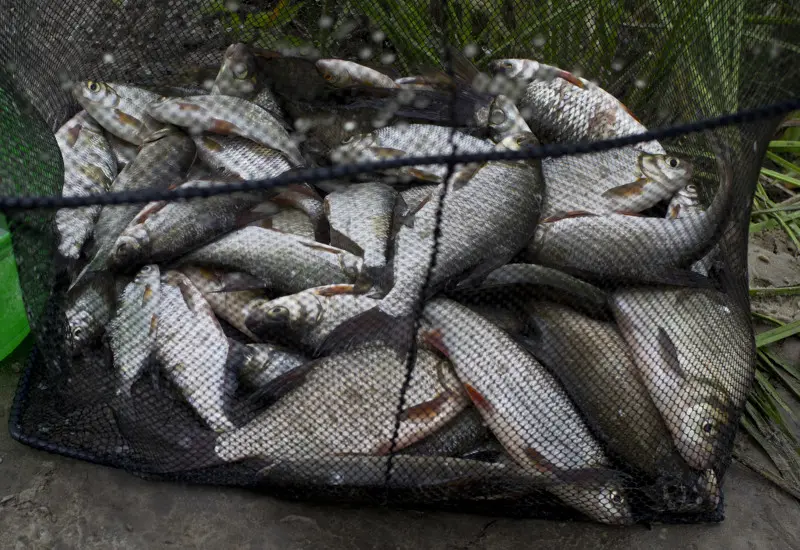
x,y
52,502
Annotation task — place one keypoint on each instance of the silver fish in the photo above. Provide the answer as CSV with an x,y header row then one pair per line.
x,y
162,162
68,133
361,220
123,152
348,405
89,309
304,198
686,202
89,168
525,407
597,369
267,365
118,108
505,119
164,230
286,263
193,350
501,315
221,114
561,107
240,157
292,221
343,74
238,75
133,329
618,180
694,350
459,436
308,317
633,247
415,195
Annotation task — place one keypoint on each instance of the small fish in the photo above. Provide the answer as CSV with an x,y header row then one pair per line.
x,y
240,157
695,353
133,329
563,108
238,75
269,372
308,317
505,119
686,202
456,438
120,109
89,309
164,230
348,405
286,263
227,115
193,350
343,74
89,168
362,218
123,152
525,407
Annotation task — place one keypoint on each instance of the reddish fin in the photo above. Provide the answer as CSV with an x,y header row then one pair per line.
x,y
211,144
153,325
335,290
145,213
539,462
183,106
127,119
322,248
464,175
478,399
423,175
628,190
565,215
427,410
435,339
250,217
219,126
387,152
147,295
571,78
674,212
72,134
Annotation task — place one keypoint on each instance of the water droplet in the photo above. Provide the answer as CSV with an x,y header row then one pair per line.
x,y
365,53
108,58
378,36
232,5
388,58
325,22
470,50
640,83
302,124
208,84
775,50
539,40
617,65
349,126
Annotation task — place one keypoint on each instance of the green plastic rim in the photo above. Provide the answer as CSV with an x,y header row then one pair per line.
x,y
13,318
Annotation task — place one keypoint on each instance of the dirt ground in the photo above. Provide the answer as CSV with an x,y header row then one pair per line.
x,y
52,502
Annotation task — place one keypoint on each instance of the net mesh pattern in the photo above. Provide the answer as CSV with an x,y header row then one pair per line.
x,y
560,337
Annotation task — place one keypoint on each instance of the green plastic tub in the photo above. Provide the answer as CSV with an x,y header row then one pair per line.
x,y
13,319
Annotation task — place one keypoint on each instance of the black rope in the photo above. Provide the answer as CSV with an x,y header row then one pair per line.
x,y
312,175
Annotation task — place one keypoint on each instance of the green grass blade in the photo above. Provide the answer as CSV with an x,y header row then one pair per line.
x,y
779,160
766,318
781,177
780,291
777,334
770,224
782,145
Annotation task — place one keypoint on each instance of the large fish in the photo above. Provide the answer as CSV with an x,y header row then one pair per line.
x,y
694,351
132,331
361,219
286,263
633,247
526,409
227,115
240,157
458,437
348,405
162,162
292,221
163,230
308,317
560,107
89,309
304,198
89,168
193,350
120,109
618,180
597,369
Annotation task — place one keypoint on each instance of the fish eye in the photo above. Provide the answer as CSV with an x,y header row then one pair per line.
x,y
348,139
240,71
708,426
498,116
93,86
328,76
691,188
616,498
278,313
77,332
506,64
146,269
673,162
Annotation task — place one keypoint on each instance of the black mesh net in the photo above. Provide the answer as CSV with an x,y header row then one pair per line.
x,y
544,328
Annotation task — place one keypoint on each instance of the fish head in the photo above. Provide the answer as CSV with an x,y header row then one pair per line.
x,y
701,428
238,73
606,503
93,93
504,117
517,141
672,172
288,312
147,275
357,147
352,266
131,247
513,68
333,72
79,329
687,491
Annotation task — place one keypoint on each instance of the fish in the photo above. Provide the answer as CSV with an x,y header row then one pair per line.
x,y
269,368
286,263
634,248
164,230
415,195
292,221
123,152
238,76
695,353
89,309
118,108
686,202
563,108
227,115
596,367
240,157
614,181
161,163
362,219
348,404
89,169
220,291
456,438
506,316
342,74
132,331
505,119
307,318
67,134
304,198
526,408
192,350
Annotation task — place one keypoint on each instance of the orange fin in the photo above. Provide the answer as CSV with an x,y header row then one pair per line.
x,y
674,212
211,144
426,410
127,119
565,215
188,106
335,290
219,126
539,462
571,78
153,324
435,339
628,190
478,399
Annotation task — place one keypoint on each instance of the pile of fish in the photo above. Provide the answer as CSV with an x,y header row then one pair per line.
x,y
532,322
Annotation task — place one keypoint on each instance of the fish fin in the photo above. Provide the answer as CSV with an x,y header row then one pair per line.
x,y
571,78
280,386
423,175
387,153
345,243
373,325
477,398
335,290
428,409
476,275
321,247
669,353
407,219
632,189
538,461
564,215
249,217
434,339
462,176
461,65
